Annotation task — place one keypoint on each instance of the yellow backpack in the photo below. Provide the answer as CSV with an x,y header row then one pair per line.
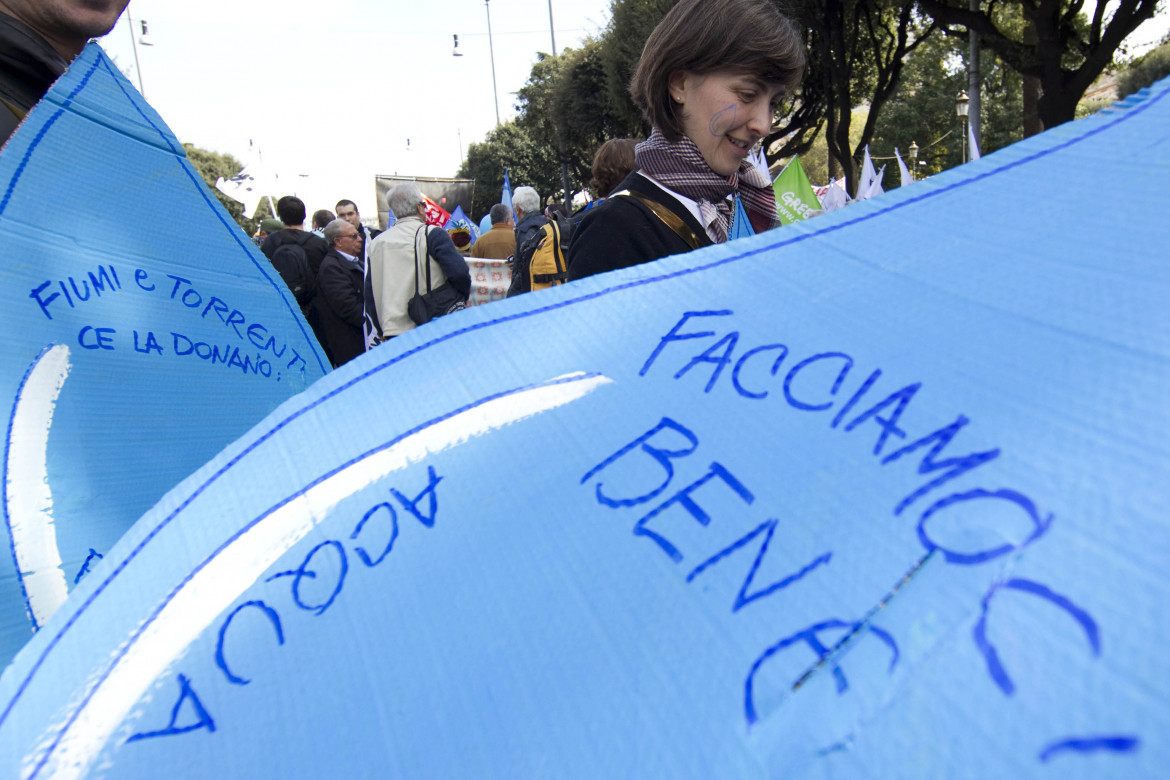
x,y
547,268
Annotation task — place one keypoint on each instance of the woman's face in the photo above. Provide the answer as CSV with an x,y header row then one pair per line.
x,y
724,113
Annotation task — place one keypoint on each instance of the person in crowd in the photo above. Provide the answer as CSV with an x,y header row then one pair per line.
x,y
268,225
38,40
348,210
499,243
391,268
295,239
339,293
612,163
709,81
526,204
291,211
321,218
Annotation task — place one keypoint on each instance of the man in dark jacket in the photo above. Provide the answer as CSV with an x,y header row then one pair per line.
x,y
526,204
38,40
339,293
291,211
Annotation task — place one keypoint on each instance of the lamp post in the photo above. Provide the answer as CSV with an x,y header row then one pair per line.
x,y
492,53
145,40
913,153
961,105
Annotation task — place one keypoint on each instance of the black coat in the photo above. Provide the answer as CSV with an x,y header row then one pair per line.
x,y
339,307
623,231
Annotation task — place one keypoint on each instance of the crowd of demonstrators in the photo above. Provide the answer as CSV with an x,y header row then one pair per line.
x,y
402,260
709,80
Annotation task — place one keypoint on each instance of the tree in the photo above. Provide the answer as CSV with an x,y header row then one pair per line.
x,y
1057,45
630,24
922,111
509,145
212,166
857,50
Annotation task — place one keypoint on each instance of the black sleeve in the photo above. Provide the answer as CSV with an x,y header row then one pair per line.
x,y
617,234
454,266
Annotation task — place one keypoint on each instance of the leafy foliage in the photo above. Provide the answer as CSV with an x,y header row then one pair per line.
x,y
1144,71
923,109
1054,42
529,162
212,166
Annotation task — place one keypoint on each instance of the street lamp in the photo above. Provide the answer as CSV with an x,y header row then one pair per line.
x,y
913,151
961,106
492,53
145,40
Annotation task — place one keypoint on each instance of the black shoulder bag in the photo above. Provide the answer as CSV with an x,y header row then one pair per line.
x,y
425,306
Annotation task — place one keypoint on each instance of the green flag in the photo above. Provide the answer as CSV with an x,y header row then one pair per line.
x,y
795,198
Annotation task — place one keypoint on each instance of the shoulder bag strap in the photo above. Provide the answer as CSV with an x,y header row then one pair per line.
x,y
672,220
426,259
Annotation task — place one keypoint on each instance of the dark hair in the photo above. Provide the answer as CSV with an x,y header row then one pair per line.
x,y
291,210
613,162
499,213
322,217
703,36
344,202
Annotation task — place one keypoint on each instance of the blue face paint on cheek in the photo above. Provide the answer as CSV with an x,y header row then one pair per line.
x,y
722,121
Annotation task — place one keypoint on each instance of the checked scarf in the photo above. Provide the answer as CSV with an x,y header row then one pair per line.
x,y
680,167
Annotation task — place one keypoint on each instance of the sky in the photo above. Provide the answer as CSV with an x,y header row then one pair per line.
x,y
331,98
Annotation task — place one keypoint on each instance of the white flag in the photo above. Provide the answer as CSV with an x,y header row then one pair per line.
x,y
242,188
875,187
834,196
867,176
906,177
971,142
757,158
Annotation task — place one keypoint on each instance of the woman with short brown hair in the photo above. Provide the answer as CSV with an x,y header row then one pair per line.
x,y
710,80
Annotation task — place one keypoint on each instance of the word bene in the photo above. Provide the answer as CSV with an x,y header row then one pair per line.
x,y
314,585
261,350
692,345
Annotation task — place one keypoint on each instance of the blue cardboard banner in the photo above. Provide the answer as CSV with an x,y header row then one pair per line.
x,y
878,494
143,333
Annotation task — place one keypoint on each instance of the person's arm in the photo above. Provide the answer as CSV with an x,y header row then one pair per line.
x,y
335,283
440,247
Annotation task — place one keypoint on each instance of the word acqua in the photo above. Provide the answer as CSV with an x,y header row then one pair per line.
x,y
371,541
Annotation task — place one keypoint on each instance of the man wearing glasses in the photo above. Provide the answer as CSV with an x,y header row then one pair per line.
x,y
339,292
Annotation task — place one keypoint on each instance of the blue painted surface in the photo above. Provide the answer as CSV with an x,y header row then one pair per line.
x,y
880,494
180,334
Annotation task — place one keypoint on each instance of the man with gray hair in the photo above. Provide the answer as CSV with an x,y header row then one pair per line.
x,y
391,267
526,204
339,293
499,243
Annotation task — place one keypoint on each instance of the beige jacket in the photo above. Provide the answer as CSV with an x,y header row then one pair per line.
x,y
392,272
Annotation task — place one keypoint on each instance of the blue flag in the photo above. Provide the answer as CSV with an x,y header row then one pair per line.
x,y
506,195
461,222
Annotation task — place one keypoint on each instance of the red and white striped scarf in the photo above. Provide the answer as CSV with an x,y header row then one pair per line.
x,y
680,167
